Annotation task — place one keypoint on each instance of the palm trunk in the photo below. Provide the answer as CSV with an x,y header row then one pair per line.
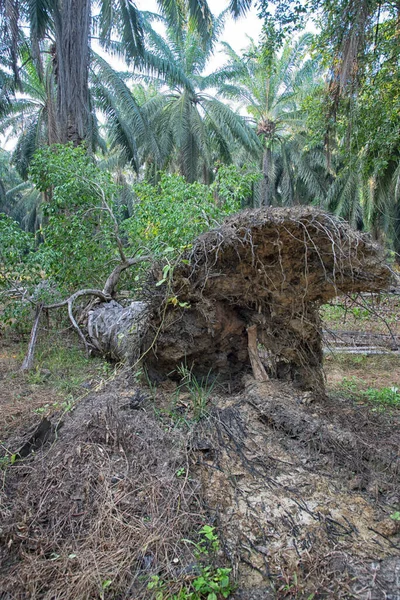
x,y
266,192
72,26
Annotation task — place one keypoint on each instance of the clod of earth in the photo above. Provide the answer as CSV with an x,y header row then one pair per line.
x,y
256,281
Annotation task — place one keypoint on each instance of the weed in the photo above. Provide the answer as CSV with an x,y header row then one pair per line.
x,y
151,385
382,398
210,584
8,459
361,313
333,312
104,586
351,384
385,396
199,390
395,516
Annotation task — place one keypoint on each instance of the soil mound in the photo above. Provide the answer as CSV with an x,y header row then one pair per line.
x,y
98,505
301,496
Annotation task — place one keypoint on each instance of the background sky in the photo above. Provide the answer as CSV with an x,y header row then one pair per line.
x,y
236,32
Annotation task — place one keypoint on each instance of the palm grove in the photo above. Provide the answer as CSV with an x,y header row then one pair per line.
x,y
165,149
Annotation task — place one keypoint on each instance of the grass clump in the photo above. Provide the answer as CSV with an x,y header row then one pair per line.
x,y
386,397
63,364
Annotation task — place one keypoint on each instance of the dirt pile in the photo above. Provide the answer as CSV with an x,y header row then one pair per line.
x,y
304,495
98,508
301,496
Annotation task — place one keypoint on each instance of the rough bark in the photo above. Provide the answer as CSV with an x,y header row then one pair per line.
x,y
72,26
265,182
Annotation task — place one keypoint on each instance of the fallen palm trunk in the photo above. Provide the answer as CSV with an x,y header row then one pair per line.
x,y
269,268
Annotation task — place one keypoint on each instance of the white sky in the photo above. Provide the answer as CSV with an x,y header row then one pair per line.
x,y
236,32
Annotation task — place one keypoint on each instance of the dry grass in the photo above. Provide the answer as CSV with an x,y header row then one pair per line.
x,y
101,510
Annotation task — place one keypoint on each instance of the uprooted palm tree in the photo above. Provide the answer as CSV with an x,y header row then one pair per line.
x,y
272,92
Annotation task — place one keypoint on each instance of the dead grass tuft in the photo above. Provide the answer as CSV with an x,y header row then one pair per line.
x,y
101,510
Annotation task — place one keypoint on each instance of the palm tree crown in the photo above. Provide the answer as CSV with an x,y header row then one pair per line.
x,y
271,92
192,125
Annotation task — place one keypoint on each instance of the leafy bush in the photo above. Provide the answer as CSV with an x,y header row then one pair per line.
x,y
171,214
19,271
79,234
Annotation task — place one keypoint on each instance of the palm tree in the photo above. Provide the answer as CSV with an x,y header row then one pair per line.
x,y
272,92
193,127
30,118
68,24
18,199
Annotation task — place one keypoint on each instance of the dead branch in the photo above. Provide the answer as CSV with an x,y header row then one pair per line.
x,y
28,360
259,371
113,278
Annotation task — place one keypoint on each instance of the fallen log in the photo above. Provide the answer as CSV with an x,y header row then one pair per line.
x,y
263,271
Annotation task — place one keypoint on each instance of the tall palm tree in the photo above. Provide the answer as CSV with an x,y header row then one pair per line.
x,y
30,118
193,127
68,24
271,92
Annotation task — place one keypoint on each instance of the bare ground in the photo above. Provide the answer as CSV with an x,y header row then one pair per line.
x,y
302,495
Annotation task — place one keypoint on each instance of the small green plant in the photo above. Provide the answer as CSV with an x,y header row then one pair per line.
x,y
209,539
211,583
181,472
351,384
387,397
360,313
395,516
199,390
334,313
104,586
384,397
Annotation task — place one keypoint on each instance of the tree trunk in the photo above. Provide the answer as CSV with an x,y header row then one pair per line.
x,y
72,28
266,192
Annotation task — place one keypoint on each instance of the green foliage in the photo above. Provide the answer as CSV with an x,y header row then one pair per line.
x,y
234,186
79,234
20,274
272,92
212,583
200,391
193,127
167,217
382,398
385,397
15,246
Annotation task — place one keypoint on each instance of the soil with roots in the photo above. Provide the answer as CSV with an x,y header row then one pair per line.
x,y
301,495
264,270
